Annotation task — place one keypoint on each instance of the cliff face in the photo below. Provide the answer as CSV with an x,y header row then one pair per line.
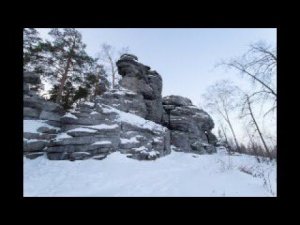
x,y
147,83
190,126
133,119
41,118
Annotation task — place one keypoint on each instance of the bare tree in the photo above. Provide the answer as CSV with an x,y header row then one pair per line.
x,y
259,63
221,99
108,57
248,112
253,146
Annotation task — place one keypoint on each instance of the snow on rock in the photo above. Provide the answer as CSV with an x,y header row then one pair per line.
x,y
153,153
34,140
91,104
83,129
102,143
70,115
31,126
140,149
134,119
179,174
103,126
131,140
94,113
123,91
62,136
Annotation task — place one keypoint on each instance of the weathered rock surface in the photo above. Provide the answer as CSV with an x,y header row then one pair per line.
x,y
38,114
139,78
133,119
190,126
33,146
125,100
112,130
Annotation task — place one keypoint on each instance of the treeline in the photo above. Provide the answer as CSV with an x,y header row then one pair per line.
x,y
228,101
64,64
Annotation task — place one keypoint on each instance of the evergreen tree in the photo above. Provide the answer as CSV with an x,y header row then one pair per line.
x,y
67,98
64,59
96,80
31,50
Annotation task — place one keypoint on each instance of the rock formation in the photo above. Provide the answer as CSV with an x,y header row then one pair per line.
x,y
133,119
41,118
190,126
95,130
145,82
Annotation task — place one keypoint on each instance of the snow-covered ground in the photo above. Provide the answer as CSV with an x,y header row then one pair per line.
x,y
178,174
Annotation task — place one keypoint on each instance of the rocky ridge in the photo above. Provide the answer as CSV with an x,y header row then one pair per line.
x,y
133,119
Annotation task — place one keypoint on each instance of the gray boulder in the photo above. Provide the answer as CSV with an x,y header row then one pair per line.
x,y
127,56
39,136
139,78
34,146
100,156
190,126
46,115
47,130
79,156
176,100
75,148
31,113
86,140
34,155
58,156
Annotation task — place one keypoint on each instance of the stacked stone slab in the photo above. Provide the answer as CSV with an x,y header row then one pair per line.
x,y
133,119
139,78
94,130
124,100
35,107
46,117
86,132
190,126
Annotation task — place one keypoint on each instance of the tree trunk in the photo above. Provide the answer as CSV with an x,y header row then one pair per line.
x,y
63,81
253,146
234,137
96,91
258,130
226,140
232,131
112,71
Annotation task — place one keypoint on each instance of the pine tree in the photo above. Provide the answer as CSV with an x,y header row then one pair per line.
x,y
31,50
65,59
96,80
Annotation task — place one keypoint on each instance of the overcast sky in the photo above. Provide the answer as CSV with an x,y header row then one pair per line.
x,y
185,58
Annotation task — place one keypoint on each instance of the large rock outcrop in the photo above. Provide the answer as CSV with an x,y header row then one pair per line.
x,y
41,117
145,82
133,119
190,126
94,130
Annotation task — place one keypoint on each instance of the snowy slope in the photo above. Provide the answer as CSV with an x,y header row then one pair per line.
x,y
178,174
